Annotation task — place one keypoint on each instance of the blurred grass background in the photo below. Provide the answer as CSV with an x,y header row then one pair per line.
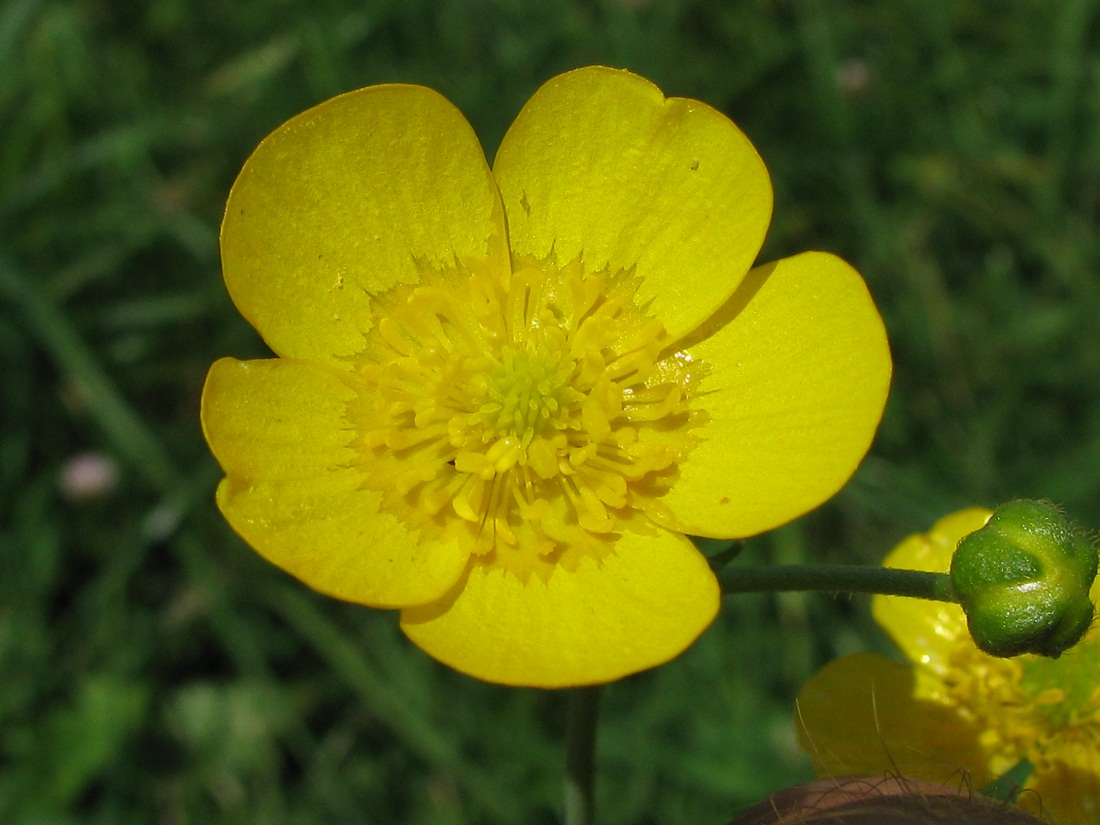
x,y
153,670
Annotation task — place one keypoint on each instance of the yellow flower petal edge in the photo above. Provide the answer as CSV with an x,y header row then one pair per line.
x,y
927,632
654,596
295,487
798,351
600,165
955,708
344,202
485,402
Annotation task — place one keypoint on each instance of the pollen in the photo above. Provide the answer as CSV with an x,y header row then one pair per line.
x,y
530,415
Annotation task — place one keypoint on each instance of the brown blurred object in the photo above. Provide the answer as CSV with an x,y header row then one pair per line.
x,y
878,800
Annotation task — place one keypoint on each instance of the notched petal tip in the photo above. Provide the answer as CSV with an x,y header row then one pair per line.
x,y
600,165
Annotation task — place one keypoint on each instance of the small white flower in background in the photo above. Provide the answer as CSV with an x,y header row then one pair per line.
x,y
853,76
88,476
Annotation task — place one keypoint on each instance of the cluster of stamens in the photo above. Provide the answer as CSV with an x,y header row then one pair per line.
x,y
528,414
1029,706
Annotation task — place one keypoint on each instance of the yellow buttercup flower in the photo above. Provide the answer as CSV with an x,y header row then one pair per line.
x,y
503,396
955,711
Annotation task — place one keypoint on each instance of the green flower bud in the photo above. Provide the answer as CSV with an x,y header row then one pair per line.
x,y
1024,581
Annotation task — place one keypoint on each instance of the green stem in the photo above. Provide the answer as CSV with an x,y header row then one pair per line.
x,y
842,578
580,755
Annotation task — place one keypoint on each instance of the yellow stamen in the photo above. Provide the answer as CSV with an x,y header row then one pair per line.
x,y
529,415
1028,706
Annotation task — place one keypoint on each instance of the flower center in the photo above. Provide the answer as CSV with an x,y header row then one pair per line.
x,y
1030,706
527,394
529,415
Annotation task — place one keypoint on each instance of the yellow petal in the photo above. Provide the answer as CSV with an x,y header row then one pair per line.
x,y
342,202
294,489
797,368
859,715
637,608
600,164
927,632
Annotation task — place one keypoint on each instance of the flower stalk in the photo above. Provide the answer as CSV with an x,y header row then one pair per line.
x,y
840,578
580,755
1023,580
